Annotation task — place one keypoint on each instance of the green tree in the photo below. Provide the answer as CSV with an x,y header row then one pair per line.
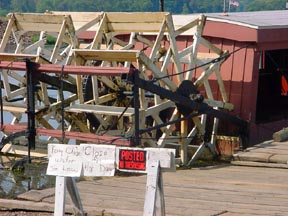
x,y
23,5
44,5
5,7
261,5
173,6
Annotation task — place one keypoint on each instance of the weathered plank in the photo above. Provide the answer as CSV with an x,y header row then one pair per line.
x,y
223,190
107,55
138,17
100,109
281,135
23,150
88,137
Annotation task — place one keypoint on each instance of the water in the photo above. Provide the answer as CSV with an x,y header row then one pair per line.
x,y
33,176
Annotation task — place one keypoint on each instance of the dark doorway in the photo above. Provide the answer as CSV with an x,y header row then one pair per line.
x,y
272,99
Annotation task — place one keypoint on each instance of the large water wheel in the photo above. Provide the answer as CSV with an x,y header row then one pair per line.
x,y
144,42
159,60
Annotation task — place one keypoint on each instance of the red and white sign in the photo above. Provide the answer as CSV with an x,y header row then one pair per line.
x,y
132,159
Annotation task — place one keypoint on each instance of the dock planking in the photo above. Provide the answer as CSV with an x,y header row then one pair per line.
x,y
268,153
225,190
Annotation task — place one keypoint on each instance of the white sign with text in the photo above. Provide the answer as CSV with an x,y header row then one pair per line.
x,y
64,160
98,160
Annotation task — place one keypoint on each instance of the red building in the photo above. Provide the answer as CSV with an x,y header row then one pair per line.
x,y
255,72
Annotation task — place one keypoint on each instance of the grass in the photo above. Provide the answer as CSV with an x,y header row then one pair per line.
x,y
49,40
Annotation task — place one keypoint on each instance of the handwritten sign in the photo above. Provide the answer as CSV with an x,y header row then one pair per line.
x,y
64,160
98,160
131,159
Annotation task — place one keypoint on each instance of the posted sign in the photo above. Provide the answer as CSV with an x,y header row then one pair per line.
x,y
132,159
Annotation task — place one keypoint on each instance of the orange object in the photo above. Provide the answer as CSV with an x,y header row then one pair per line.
x,y
284,86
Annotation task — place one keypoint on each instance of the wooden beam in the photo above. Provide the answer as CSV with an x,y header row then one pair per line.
x,y
100,109
107,55
58,43
17,57
76,70
7,33
82,20
133,27
136,17
38,22
88,137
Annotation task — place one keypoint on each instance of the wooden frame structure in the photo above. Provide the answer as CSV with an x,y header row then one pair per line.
x,y
151,49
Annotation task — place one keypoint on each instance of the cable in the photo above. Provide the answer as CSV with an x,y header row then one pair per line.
x,y
194,68
119,117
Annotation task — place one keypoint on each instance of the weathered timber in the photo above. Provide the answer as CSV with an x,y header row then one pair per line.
x,y
88,137
213,190
77,70
281,135
107,55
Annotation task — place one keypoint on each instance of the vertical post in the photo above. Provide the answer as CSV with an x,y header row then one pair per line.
x,y
154,203
62,104
161,7
160,201
60,196
224,7
136,108
31,131
184,146
1,102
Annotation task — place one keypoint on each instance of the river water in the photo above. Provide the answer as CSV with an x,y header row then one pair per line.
x,y
25,177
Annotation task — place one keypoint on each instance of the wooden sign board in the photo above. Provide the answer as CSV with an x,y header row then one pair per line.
x,y
98,160
84,159
165,156
64,160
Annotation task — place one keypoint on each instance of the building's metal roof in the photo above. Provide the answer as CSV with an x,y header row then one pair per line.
x,y
256,19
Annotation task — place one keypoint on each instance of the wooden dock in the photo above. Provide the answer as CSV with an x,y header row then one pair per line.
x,y
225,190
268,154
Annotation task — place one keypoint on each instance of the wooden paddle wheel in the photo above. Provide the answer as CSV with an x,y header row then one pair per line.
x,y
163,98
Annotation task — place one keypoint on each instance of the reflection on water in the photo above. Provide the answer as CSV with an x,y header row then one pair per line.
x,y
13,183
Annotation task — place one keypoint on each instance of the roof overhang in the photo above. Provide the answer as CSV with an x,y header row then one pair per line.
x,y
258,26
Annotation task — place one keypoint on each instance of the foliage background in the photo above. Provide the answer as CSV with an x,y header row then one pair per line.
x,y
173,6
